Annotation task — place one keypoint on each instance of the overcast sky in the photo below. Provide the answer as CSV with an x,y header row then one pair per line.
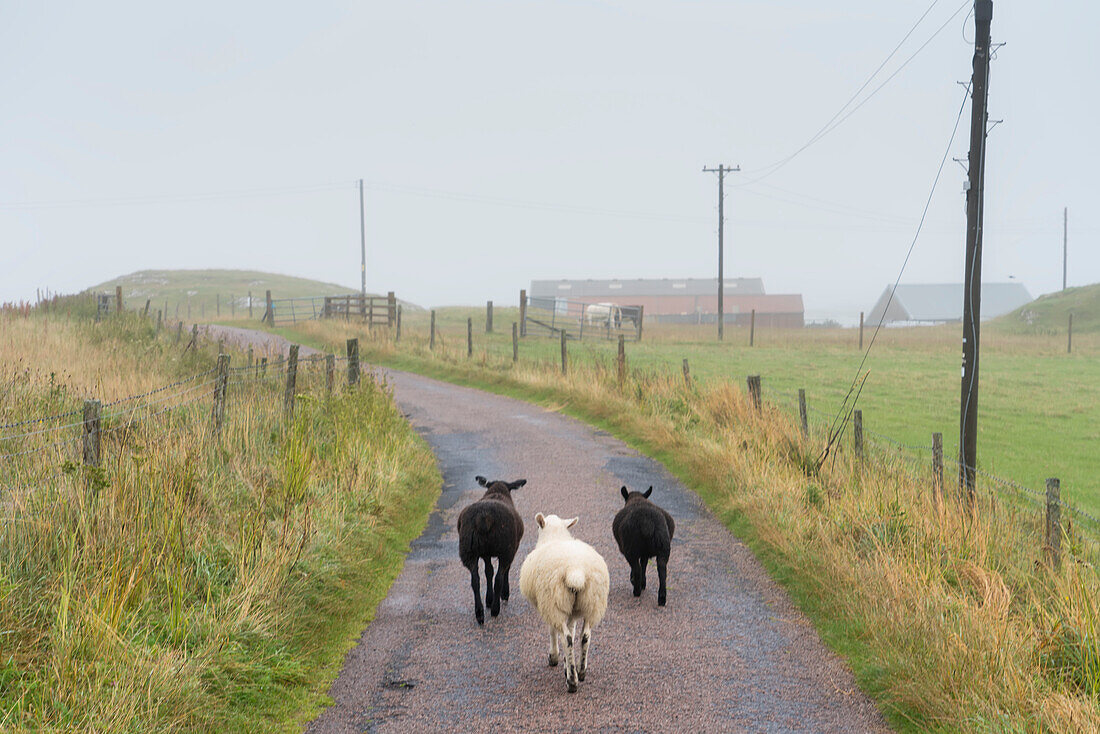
x,y
505,141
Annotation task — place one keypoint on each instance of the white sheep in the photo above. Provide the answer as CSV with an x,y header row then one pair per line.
x,y
567,582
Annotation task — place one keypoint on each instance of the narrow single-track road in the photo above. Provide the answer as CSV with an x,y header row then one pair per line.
x,y
729,653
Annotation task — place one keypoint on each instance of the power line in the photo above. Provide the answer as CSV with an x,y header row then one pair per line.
x,y
834,122
836,430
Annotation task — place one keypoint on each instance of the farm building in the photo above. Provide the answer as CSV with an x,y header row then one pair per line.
x,y
942,302
683,300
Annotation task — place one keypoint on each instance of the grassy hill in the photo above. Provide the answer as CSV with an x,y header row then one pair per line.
x,y
1049,314
212,292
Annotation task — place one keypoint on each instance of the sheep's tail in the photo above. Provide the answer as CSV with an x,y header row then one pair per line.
x,y
575,579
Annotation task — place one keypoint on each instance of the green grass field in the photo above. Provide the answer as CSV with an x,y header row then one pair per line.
x,y
212,293
1038,406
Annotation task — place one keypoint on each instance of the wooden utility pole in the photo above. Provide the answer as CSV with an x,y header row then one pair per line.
x,y
722,170
362,240
523,312
972,282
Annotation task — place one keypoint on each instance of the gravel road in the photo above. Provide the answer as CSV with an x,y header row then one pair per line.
x,y
729,653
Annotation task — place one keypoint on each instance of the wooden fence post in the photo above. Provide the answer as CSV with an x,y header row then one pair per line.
x,y
160,319
937,469
118,299
218,304
861,331
469,337
564,363
353,361
397,332
263,367
179,331
687,373
523,312
1054,522
391,309
145,313
641,319
488,317
1069,335
91,432
803,416
621,361
250,356
221,382
857,432
431,337
330,372
269,310
515,342
291,380
754,391
752,327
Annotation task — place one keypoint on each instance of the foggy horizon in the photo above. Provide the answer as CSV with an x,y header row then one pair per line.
x,y
501,144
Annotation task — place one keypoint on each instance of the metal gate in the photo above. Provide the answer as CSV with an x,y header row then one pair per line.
x,y
580,320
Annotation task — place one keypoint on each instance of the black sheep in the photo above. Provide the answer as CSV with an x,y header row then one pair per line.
x,y
490,528
643,531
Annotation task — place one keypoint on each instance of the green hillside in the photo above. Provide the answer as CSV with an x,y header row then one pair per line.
x,y
1049,314
212,293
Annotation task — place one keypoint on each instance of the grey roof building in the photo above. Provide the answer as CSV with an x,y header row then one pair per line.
x,y
942,302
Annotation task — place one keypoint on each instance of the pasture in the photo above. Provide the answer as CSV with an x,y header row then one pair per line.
x,y
1039,413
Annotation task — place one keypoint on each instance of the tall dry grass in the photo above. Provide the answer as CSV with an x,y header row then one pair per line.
x,y
953,624
193,581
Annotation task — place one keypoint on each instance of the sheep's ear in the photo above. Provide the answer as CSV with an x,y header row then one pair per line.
x,y
517,484
571,523
648,492
482,480
541,520
626,493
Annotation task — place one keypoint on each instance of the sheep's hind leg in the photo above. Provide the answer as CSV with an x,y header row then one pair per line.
x,y
502,580
554,654
491,599
637,569
586,637
662,574
475,584
570,665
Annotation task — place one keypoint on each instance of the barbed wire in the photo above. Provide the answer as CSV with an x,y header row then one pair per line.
x,y
29,421
43,430
38,449
184,381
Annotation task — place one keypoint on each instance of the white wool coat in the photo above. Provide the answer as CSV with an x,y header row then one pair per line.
x,y
565,579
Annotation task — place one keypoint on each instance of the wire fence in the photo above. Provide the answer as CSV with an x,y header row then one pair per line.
x,y
47,454
923,459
